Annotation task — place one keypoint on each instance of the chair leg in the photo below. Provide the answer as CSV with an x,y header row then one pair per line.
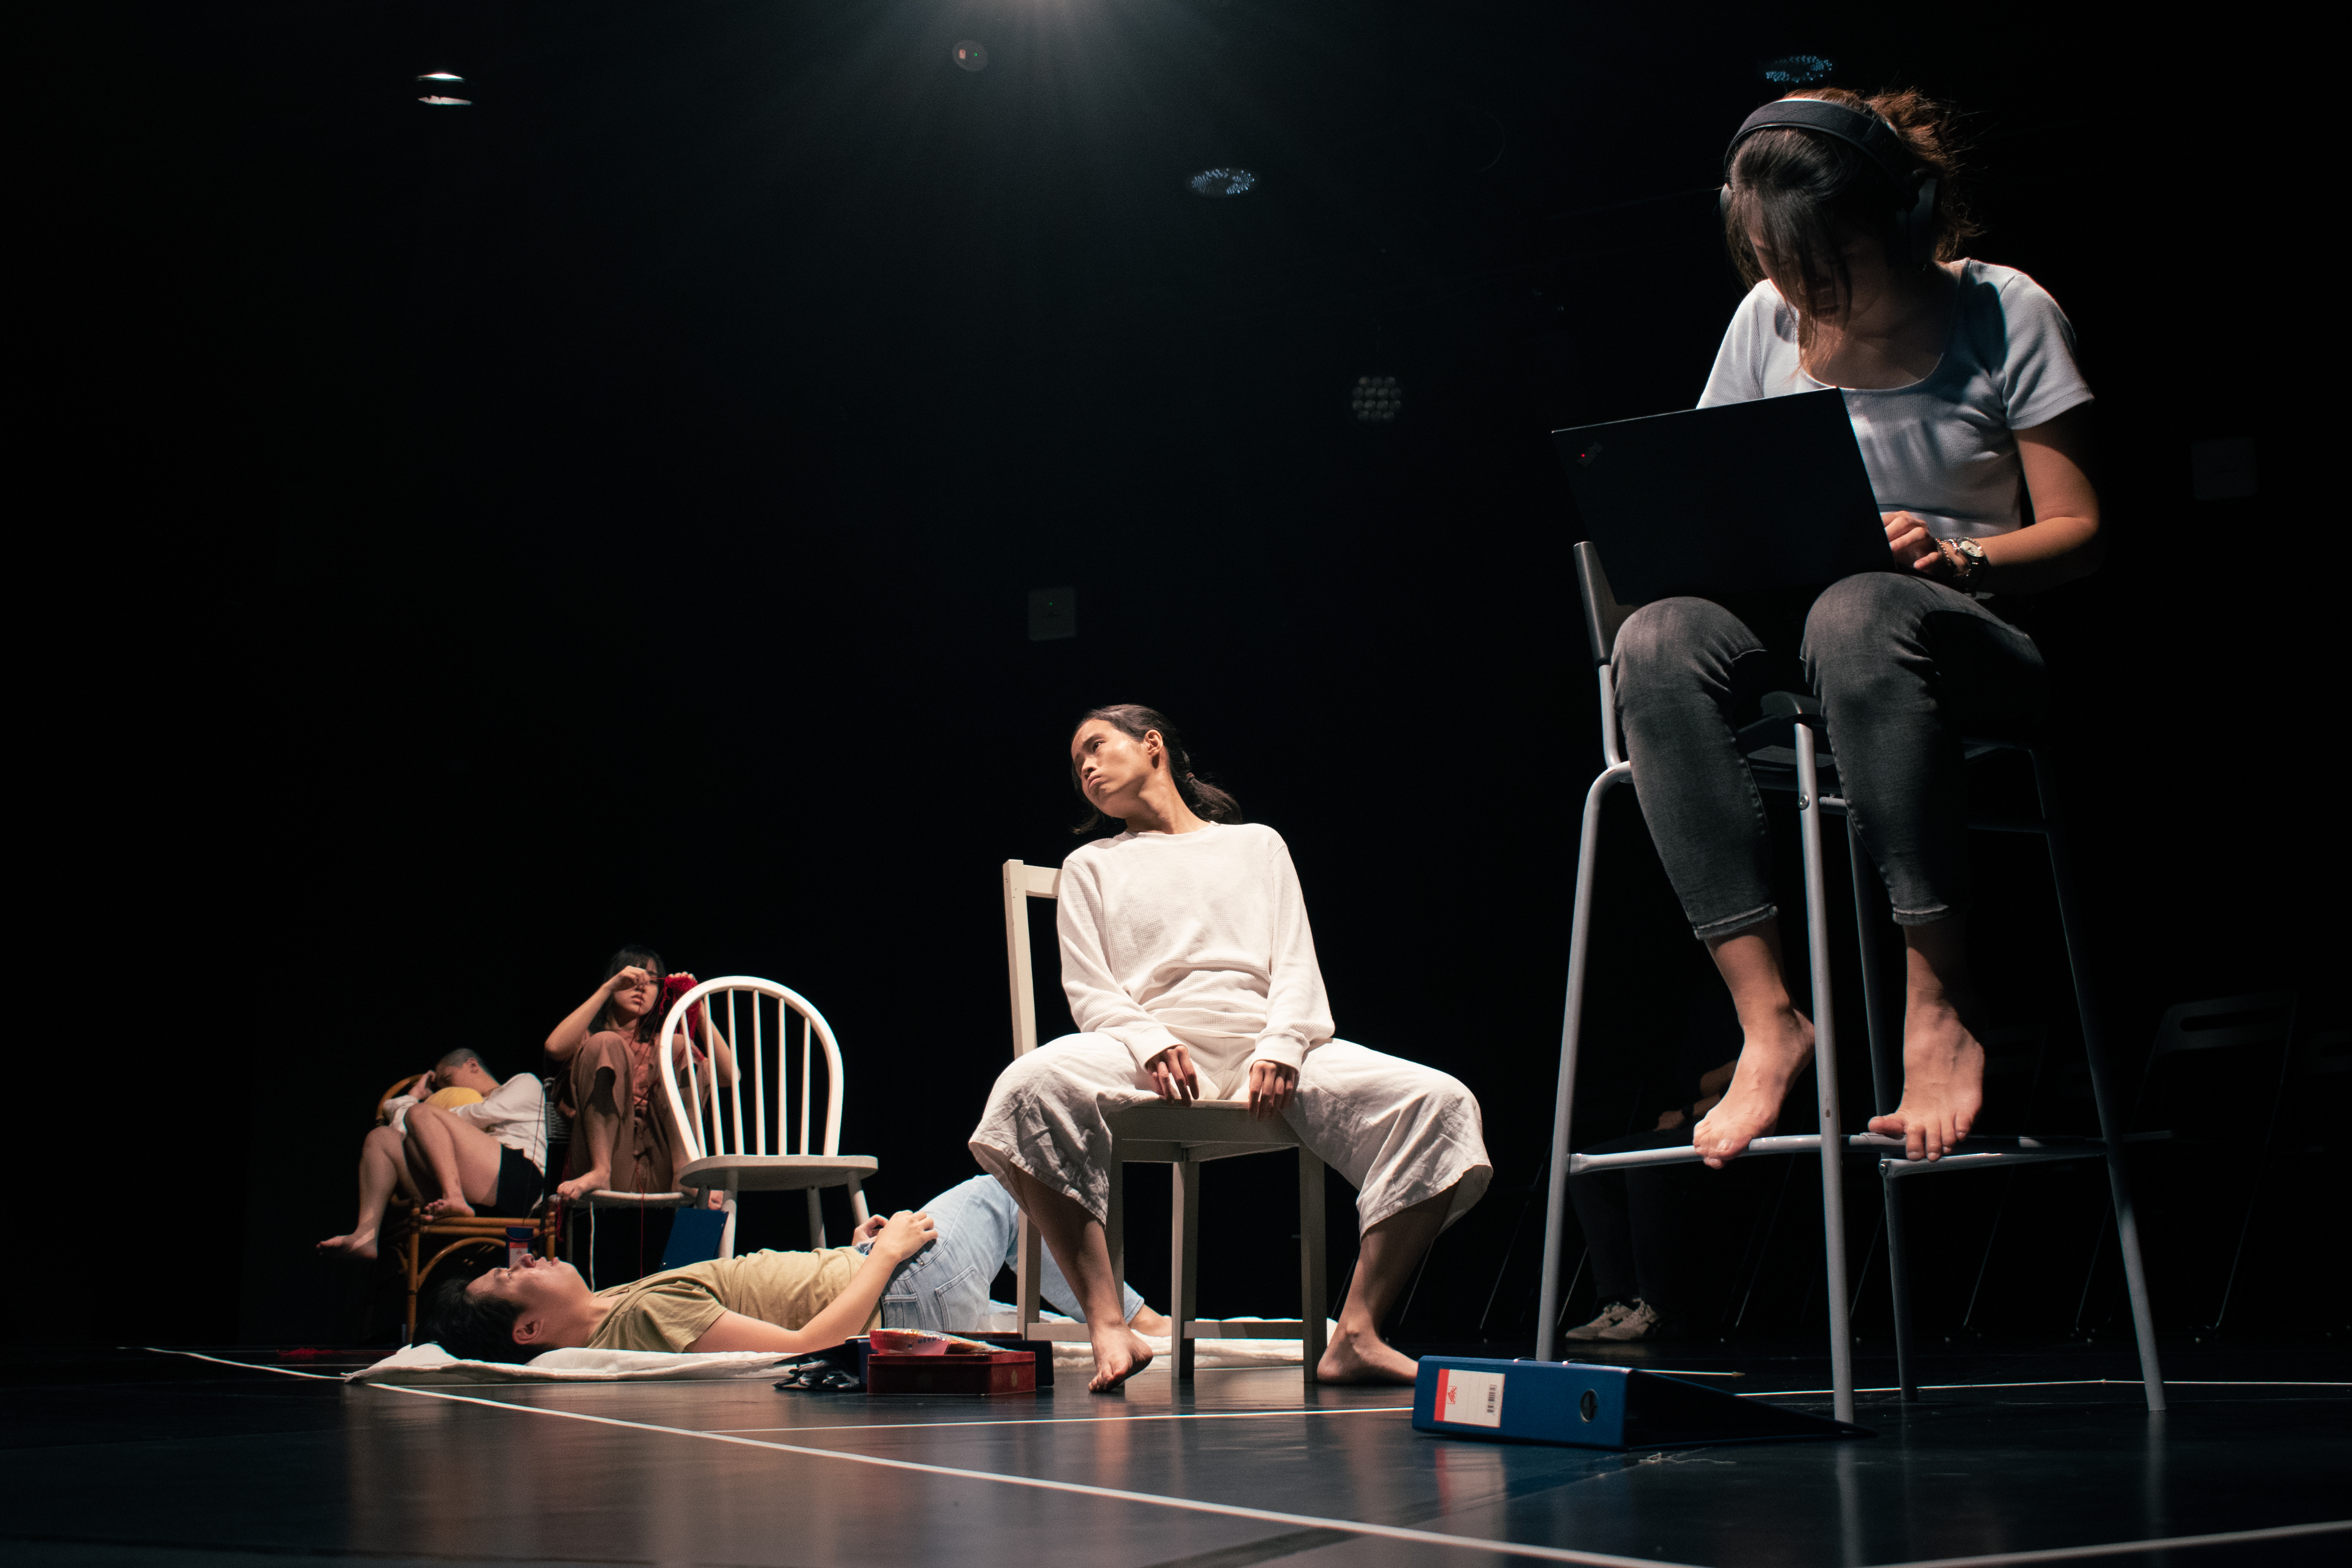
x,y
415,1235
727,1231
1314,1282
1898,1278
1817,942
1571,1026
2111,1123
1027,1261
1885,1060
816,1222
1183,1263
1114,1217
857,1210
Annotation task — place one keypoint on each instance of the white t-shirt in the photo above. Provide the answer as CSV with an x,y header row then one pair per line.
x,y
1194,938
516,1115
1942,447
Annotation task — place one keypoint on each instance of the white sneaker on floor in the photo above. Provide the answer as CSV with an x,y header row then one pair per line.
x,y
1611,1316
1638,1323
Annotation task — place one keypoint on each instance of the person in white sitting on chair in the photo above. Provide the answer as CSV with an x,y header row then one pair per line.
x,y
1190,973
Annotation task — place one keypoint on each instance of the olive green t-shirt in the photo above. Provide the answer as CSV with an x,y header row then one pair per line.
x,y
670,1310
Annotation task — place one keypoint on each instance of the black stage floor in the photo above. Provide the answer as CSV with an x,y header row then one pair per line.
x,y
134,1458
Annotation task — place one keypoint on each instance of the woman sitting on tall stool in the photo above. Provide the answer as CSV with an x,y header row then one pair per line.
x,y
1965,397
1190,973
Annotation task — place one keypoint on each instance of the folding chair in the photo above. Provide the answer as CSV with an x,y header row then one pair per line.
x,y
737,1008
1793,720
1183,1137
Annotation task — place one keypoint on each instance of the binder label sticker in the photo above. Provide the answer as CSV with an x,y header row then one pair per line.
x,y
1470,1398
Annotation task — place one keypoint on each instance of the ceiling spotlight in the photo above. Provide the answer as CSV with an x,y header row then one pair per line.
x,y
1375,399
446,103
440,75
1222,182
1798,71
971,57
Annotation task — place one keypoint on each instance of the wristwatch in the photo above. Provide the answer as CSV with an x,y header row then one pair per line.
x,y
1974,555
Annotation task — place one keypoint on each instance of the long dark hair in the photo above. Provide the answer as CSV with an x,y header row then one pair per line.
x,y
1135,721
646,959
1802,189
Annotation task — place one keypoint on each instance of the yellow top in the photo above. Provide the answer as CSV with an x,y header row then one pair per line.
x,y
450,1099
671,1309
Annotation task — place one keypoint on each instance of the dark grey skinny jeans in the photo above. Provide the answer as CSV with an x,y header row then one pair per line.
x,y
1904,667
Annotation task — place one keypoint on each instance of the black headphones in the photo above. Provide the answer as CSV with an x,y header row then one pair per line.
x,y
1915,187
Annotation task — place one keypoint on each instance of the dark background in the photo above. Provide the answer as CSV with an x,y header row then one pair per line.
x,y
607,513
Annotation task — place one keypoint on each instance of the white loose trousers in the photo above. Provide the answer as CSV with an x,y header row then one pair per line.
x,y
1399,1133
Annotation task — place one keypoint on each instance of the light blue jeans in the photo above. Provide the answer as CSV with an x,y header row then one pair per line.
x,y
944,1288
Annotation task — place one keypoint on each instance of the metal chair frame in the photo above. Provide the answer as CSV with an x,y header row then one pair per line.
x,y
1183,1137
1797,716
728,1159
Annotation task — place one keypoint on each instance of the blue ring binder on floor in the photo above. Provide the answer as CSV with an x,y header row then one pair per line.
x,y
1586,1405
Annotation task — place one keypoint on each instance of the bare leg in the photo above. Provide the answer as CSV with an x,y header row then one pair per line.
x,y
463,1160
1390,1252
381,1170
1777,1042
598,1127
1943,1066
1083,1253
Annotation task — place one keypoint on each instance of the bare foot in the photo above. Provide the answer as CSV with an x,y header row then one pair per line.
x,y
1943,1082
580,1186
1119,1354
1359,1356
447,1208
358,1244
1769,1063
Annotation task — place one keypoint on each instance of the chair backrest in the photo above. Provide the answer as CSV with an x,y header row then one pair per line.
x,y
749,1016
1023,883
1603,614
2218,1063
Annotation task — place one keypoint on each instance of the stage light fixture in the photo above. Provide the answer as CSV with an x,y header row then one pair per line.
x,y
438,99
1376,400
1798,71
1222,182
971,57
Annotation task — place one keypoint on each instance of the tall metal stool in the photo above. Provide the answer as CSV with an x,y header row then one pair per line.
x,y
1791,721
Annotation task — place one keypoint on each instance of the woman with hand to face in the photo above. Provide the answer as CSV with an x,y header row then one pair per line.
x,y
625,1138
1971,412
1190,973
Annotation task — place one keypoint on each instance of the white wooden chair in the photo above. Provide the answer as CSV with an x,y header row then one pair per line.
x,y
720,1150
1183,1137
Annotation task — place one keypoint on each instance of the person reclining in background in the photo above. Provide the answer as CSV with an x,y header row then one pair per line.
x,y
624,1139
925,1269
449,1158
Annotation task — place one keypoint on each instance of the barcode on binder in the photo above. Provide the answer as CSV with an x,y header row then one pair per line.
x,y
1470,1398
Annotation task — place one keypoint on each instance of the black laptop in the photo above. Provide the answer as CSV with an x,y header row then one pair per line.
x,y
1730,500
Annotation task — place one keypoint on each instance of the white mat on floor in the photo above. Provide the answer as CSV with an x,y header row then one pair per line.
x,y
431,1363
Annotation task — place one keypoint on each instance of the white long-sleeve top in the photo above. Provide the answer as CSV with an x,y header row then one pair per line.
x,y
516,1116
1199,939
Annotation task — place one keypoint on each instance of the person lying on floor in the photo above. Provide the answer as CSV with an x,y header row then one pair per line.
x,y
448,1159
917,1269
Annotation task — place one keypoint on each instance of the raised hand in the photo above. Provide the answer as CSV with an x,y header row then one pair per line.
x,y
1271,1087
1172,1073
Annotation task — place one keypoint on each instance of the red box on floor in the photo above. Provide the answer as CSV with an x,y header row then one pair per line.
x,y
1006,1371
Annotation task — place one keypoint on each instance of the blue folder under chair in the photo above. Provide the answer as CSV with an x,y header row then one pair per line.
x,y
694,1236
1586,1405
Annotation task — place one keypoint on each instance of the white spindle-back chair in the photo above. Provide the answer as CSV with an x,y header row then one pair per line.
x,y
733,1148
